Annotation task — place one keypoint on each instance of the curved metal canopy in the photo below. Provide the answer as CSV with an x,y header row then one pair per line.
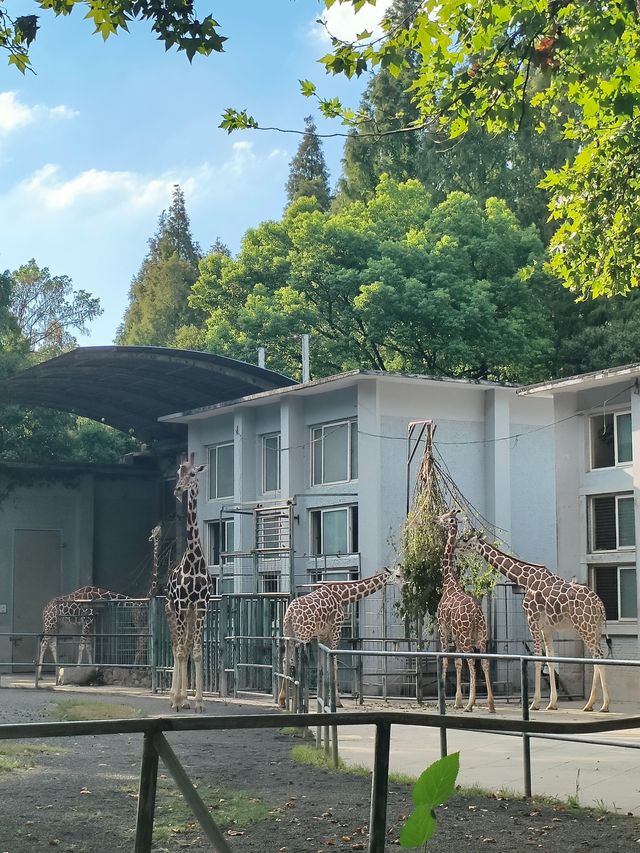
x,y
129,388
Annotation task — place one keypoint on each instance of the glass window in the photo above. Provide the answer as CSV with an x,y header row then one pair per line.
x,y
610,440
220,539
271,463
334,455
334,531
616,586
221,471
612,522
270,582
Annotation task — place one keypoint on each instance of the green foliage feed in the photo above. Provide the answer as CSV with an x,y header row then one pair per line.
x,y
433,787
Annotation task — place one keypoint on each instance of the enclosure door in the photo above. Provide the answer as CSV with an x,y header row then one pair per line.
x,y
36,579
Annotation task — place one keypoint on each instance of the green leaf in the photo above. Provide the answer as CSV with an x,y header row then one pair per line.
x,y
420,826
437,782
307,88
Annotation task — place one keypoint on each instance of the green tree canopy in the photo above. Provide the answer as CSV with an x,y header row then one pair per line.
x,y
308,175
395,283
477,65
175,24
158,297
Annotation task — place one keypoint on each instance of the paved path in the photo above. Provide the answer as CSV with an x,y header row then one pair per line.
x,y
597,775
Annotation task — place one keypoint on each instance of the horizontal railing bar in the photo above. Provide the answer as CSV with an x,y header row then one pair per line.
x,y
341,718
476,656
628,744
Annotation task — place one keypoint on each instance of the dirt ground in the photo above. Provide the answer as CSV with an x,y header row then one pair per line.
x,y
83,800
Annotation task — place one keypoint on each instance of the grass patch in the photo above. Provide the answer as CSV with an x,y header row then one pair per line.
x,y
314,757
15,755
297,731
569,804
230,809
74,709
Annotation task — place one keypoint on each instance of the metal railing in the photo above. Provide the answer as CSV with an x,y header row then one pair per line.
x,y
156,746
326,702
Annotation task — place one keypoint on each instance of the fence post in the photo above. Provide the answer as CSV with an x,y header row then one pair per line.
x,y
222,645
146,795
319,694
526,740
379,788
151,627
333,694
442,706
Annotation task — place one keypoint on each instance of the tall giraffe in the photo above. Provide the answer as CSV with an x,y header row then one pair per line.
x,y
142,618
74,608
550,602
188,591
461,615
319,615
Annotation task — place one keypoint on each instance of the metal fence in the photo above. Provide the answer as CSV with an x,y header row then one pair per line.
x,y
156,746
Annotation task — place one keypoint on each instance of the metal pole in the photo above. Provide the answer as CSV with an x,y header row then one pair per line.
x,y
152,626
146,795
190,794
526,740
333,693
442,706
379,786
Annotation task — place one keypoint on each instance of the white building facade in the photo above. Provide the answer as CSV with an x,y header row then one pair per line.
x,y
310,481
597,437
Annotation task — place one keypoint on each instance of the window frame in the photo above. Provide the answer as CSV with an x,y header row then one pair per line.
x,y
212,451
270,577
592,523
265,438
616,463
624,567
349,423
223,542
352,541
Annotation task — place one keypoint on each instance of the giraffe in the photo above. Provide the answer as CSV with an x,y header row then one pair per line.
x,y
550,602
460,614
141,618
319,614
73,608
188,591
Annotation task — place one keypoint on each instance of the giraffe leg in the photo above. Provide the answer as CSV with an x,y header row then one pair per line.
x,y
487,677
45,643
184,671
599,674
197,660
458,702
536,636
602,670
282,696
547,634
444,644
335,642
472,684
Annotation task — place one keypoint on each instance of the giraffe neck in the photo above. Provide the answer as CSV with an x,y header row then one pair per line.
x,y
193,536
153,589
517,571
449,578
355,590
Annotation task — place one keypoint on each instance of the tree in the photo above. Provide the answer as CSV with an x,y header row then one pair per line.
x,y
158,296
47,309
175,24
394,283
308,174
480,64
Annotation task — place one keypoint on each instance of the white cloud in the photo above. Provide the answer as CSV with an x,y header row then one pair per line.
x,y
14,114
343,22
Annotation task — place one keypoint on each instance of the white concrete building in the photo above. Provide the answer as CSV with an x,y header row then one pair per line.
x,y
310,481
597,451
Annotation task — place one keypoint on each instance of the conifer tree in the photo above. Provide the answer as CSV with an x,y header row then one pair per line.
x,y
308,175
158,297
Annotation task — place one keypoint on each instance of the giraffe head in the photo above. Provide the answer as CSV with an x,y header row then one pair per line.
x,y
396,576
156,533
449,520
468,543
187,476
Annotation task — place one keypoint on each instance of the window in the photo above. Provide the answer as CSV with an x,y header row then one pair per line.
x,y
273,529
221,471
616,586
271,463
610,440
612,523
219,541
334,530
334,453
270,581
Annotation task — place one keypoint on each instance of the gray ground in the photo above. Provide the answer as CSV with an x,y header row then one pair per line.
x,y
80,800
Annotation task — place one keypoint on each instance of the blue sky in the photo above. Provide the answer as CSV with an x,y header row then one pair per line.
x,y
91,145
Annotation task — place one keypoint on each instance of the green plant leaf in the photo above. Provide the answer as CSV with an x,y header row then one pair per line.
x,y
436,784
420,826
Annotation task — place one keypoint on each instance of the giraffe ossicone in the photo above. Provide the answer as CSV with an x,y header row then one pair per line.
x,y
461,616
319,615
550,602
188,591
